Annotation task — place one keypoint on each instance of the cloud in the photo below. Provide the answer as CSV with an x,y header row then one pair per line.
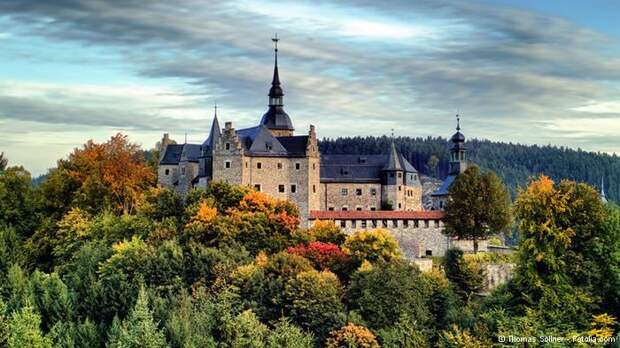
x,y
378,65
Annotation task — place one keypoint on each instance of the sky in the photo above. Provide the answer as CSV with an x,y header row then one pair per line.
x,y
532,72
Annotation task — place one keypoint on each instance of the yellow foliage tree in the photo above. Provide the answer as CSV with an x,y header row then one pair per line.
x,y
352,336
372,245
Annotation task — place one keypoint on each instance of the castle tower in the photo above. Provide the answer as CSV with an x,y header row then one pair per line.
x,y
391,191
458,151
276,119
603,196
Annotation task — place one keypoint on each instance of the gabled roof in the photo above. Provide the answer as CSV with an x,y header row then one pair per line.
x,y
445,186
266,144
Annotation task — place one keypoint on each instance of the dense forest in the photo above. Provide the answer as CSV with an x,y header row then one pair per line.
x,y
514,163
96,255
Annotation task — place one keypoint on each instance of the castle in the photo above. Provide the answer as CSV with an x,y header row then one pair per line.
x,y
356,191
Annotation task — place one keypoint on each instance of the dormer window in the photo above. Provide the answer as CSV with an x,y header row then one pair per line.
x,y
268,146
362,160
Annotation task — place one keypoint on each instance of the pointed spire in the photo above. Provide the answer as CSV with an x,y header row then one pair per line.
x,y
603,197
215,133
393,158
275,90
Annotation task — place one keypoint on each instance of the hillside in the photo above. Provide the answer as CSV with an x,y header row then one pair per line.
x,y
514,163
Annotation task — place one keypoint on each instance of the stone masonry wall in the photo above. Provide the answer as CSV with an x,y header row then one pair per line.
x,y
332,196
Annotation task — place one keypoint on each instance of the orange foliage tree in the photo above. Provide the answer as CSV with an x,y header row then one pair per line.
x,y
113,173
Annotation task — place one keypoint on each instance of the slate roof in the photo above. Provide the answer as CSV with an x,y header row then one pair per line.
x,y
377,214
214,135
445,186
295,145
177,152
358,168
259,141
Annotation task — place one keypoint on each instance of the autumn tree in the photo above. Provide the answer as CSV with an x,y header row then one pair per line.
x,y
563,267
479,205
372,245
111,174
352,336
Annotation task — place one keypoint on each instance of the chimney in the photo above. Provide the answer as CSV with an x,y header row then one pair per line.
x,y
228,125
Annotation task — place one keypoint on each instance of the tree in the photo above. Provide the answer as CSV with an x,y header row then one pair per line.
x,y
386,291
17,202
352,336
139,330
326,231
432,165
25,331
323,256
3,162
372,245
313,302
467,278
561,228
285,334
478,206
406,333
112,174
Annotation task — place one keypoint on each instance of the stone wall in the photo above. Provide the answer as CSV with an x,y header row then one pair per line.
x,y
332,196
497,274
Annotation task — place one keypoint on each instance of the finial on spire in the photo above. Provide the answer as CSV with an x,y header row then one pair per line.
x,y
186,138
458,122
215,108
275,42
392,133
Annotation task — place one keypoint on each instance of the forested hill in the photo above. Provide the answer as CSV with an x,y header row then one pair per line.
x,y
514,163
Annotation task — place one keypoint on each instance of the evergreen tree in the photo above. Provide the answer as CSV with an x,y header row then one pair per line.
x,y
139,330
25,330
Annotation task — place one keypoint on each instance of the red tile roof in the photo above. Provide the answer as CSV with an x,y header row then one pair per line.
x,y
377,214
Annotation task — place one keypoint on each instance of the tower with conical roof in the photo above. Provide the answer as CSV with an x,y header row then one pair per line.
x,y
458,151
603,196
276,119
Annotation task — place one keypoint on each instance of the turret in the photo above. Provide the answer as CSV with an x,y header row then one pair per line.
x,y
276,119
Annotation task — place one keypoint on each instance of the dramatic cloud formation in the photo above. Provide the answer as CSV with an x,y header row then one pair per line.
x,y
77,69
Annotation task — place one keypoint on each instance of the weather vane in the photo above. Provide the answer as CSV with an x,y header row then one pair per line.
x,y
215,107
458,121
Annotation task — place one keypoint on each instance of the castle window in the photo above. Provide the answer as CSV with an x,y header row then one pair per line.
x,y
167,171
425,223
363,223
297,166
257,187
281,188
227,164
246,164
400,188
313,188
358,208
344,191
313,166
440,204
259,165
362,160
415,177
399,205
293,188
279,165
343,223
345,208
429,253
330,208
353,223
416,223
373,191
400,175
391,175
183,171
227,146
358,191
373,208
